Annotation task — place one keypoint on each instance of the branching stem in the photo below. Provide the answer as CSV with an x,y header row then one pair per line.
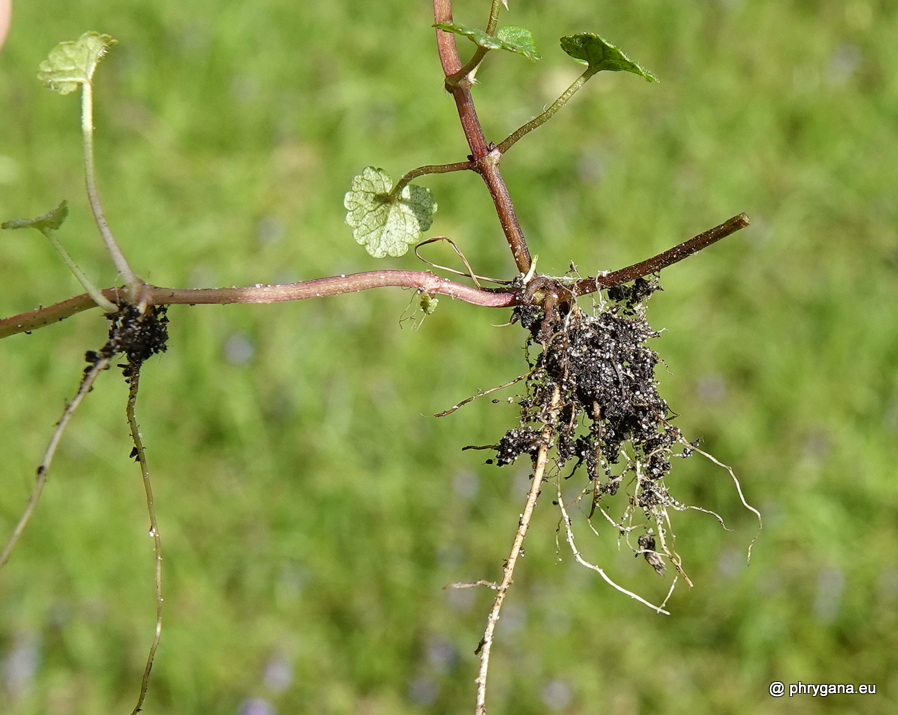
x,y
482,154
480,52
484,159
423,281
94,292
469,68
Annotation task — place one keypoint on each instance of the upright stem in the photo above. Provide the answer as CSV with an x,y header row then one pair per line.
x,y
486,160
90,179
494,17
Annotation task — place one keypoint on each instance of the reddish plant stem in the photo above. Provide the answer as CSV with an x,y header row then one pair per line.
x,y
662,260
486,160
422,281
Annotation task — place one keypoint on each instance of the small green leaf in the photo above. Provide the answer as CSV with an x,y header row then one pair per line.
x,y
518,39
478,37
600,55
71,64
50,220
511,38
387,225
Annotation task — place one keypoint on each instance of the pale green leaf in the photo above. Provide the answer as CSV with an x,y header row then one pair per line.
x,y
600,55
72,64
51,220
387,225
511,38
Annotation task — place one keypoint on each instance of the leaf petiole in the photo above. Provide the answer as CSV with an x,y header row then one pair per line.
x,y
523,131
410,176
48,224
92,290
510,38
90,179
71,65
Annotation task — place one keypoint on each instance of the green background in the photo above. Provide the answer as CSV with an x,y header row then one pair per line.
x,y
310,506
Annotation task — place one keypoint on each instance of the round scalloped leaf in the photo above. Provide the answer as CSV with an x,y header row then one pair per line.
x,y
387,225
600,54
511,38
71,64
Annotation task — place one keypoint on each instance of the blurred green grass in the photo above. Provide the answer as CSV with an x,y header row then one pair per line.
x,y
311,509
